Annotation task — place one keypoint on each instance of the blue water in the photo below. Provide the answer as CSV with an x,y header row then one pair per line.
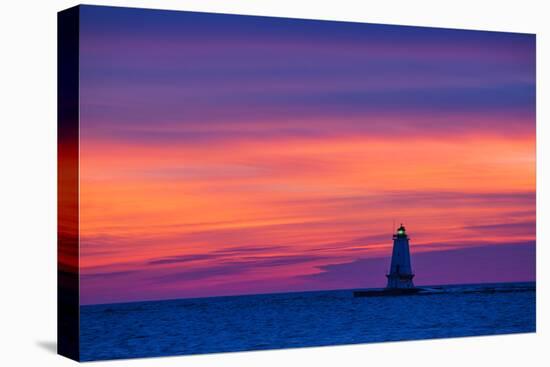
x,y
223,324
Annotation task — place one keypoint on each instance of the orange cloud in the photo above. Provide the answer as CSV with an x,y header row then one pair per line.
x,y
159,200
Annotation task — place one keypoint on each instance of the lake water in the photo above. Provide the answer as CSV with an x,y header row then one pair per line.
x,y
289,320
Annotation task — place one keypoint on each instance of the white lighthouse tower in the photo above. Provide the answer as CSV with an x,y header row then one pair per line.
x,y
400,275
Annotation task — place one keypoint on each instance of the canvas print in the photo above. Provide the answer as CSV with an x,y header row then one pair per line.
x,y
237,183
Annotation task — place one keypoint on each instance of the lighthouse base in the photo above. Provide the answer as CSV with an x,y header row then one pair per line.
x,y
400,281
386,292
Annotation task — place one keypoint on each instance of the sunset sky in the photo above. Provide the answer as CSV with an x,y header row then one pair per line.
x,y
224,155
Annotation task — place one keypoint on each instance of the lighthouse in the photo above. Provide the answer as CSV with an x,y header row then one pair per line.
x,y
400,275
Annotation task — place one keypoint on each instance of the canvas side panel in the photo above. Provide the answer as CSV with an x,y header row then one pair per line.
x,y
67,183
